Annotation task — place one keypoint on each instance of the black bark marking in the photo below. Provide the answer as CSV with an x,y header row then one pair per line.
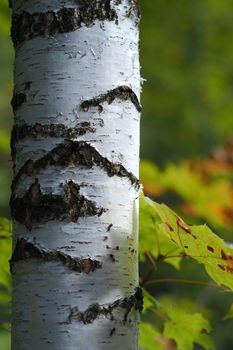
x,y
25,250
94,311
19,132
113,330
109,227
116,248
27,85
112,257
73,153
26,26
122,93
18,99
36,207
134,9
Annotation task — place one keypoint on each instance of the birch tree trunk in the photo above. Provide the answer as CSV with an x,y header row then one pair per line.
x,y
75,148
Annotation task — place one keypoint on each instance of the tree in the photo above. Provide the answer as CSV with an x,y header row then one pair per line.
x,y
75,147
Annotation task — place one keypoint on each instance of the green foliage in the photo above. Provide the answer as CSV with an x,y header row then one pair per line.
x,y
166,237
229,313
5,282
188,63
5,340
148,337
5,251
203,188
187,329
199,190
158,245
4,142
6,116
4,17
174,239
180,328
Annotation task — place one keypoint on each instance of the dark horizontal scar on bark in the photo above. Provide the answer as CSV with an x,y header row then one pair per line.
x,y
74,153
94,311
20,132
25,250
122,93
35,207
27,26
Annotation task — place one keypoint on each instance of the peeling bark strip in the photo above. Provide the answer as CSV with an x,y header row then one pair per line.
x,y
95,310
19,132
73,153
35,206
25,250
26,26
122,93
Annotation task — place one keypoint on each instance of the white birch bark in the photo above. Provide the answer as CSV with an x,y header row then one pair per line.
x,y
75,146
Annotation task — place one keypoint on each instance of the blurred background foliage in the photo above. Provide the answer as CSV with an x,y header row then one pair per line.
x,y
187,61
186,149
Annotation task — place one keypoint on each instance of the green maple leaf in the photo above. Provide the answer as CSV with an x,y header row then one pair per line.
x,y
150,238
187,329
196,242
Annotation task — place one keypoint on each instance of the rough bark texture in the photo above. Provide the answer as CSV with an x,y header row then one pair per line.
x,y
25,250
36,207
75,148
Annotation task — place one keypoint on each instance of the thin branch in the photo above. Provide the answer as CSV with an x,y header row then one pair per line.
x,y
151,270
151,259
184,281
